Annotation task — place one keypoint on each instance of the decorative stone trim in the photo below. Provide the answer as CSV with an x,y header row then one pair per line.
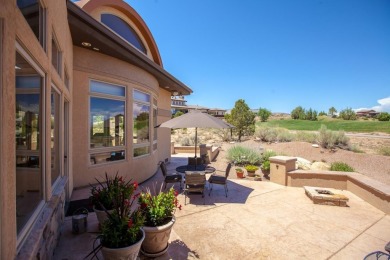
x,y
44,235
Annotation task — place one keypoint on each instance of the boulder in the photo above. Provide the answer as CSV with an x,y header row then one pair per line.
x,y
302,164
321,166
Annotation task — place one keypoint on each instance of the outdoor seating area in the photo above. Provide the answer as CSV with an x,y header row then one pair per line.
x,y
258,220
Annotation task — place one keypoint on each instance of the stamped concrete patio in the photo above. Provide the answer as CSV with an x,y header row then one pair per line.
x,y
258,220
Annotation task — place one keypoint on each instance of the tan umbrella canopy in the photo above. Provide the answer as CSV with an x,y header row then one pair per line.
x,y
195,119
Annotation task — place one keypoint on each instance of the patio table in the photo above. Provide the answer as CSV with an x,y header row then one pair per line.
x,y
201,168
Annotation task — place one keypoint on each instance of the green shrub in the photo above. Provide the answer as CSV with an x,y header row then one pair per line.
x,y
273,134
329,139
341,167
309,137
383,116
384,151
267,154
355,149
242,155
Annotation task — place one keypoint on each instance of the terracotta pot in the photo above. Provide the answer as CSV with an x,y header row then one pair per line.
x,y
130,252
240,175
156,239
266,173
101,215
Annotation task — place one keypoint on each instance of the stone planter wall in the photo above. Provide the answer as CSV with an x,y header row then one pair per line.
x,y
372,191
211,151
43,238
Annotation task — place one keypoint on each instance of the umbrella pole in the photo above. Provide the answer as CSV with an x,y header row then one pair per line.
x,y
196,144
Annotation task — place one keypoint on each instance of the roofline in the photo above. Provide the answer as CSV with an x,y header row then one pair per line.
x,y
128,52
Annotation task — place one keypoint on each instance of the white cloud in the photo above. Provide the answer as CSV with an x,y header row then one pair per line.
x,y
384,106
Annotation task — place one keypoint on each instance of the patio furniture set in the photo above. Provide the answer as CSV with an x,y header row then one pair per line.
x,y
195,178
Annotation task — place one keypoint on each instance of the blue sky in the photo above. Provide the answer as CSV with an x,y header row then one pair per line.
x,y
275,54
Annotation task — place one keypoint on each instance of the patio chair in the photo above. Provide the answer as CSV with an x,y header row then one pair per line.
x,y
195,182
171,178
220,180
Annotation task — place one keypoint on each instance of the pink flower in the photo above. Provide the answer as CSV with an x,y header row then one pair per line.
x,y
130,223
135,184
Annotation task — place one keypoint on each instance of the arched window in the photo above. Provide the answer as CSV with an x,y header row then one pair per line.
x,y
123,29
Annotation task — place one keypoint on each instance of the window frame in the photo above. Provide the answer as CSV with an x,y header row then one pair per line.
x,y
154,123
20,238
148,144
57,67
60,144
101,150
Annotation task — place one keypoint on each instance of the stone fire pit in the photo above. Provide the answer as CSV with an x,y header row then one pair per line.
x,y
326,196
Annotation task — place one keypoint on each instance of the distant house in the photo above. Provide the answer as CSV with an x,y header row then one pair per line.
x,y
217,112
367,113
178,103
199,108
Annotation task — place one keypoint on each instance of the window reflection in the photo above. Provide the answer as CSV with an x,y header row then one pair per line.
x,y
107,122
141,123
124,30
29,190
54,132
34,15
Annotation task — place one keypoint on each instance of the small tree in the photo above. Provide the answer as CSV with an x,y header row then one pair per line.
x,y
348,114
332,111
314,116
298,113
264,114
178,113
322,113
242,118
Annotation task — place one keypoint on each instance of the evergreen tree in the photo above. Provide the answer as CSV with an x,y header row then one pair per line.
x,y
242,118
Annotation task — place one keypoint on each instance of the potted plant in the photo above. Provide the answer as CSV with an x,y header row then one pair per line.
x,y
158,211
102,196
265,168
251,169
240,173
121,233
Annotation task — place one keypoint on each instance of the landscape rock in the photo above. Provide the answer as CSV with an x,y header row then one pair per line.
x,y
315,145
302,164
321,166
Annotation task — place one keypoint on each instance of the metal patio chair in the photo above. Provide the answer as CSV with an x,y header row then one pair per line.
x,y
195,182
220,180
169,178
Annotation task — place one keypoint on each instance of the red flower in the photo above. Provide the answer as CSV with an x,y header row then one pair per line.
x,y
143,205
136,195
121,179
135,184
176,193
130,223
127,202
180,207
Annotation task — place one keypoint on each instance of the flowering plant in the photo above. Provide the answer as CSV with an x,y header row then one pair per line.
x,y
103,196
251,168
158,209
123,226
239,170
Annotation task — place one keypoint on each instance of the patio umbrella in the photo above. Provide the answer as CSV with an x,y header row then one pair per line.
x,y
195,119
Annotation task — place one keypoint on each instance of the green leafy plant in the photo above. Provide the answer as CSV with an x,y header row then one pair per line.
x,y
266,166
242,118
341,167
104,195
251,168
160,208
123,226
239,170
264,114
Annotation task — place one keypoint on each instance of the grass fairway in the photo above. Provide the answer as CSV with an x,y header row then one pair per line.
x,y
333,124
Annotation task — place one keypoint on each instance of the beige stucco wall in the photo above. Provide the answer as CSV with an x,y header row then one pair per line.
x,y
94,65
15,29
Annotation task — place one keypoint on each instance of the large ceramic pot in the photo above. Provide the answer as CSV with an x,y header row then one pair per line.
x,y
101,215
156,239
123,253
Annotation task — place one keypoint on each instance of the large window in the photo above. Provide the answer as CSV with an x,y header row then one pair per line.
x,y
124,30
154,124
34,14
54,134
107,122
28,117
141,121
